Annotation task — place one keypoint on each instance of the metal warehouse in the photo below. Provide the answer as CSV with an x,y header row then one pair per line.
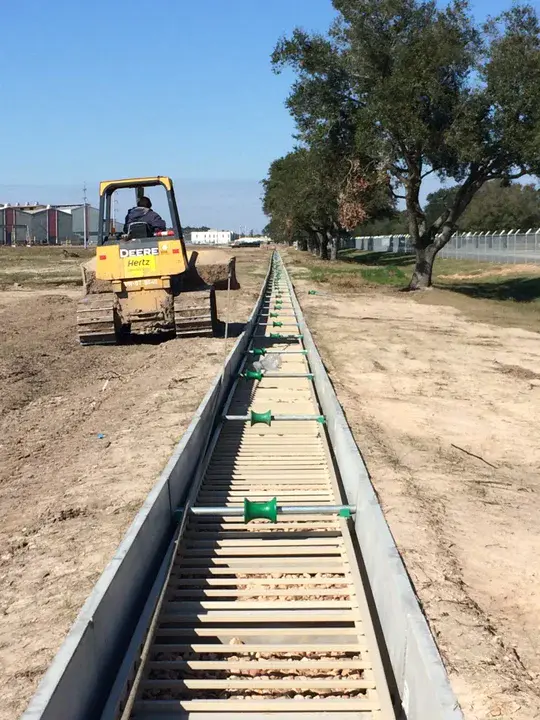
x,y
48,224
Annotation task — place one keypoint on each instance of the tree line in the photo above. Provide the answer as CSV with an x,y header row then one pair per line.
x,y
397,91
496,206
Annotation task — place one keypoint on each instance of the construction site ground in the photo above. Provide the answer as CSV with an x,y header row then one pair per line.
x,y
442,392
67,495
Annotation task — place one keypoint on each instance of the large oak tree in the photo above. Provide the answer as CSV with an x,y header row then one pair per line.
x,y
426,91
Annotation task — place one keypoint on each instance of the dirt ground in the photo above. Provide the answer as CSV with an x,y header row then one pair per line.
x,y
67,495
445,410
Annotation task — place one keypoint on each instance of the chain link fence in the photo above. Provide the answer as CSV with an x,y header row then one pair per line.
x,y
513,246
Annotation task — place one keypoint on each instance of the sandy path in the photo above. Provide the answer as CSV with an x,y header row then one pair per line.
x,y
66,496
415,382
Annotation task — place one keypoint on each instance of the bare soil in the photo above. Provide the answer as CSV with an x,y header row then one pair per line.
x,y
67,495
444,405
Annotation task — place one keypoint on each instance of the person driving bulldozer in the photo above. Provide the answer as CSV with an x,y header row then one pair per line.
x,y
143,213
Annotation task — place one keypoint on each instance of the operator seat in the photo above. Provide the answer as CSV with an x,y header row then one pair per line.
x,y
139,230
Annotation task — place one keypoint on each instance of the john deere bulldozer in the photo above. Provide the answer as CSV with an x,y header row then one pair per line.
x,y
141,282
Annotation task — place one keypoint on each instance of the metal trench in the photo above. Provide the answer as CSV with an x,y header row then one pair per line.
x,y
262,620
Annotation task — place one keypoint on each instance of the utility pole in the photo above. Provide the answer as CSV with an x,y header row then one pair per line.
x,y
85,216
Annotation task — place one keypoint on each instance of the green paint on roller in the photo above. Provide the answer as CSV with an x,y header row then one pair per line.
x,y
276,335
321,419
264,418
274,315
260,510
259,351
277,324
311,292
345,512
277,306
252,375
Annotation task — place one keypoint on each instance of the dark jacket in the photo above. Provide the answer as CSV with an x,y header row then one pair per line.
x,y
140,214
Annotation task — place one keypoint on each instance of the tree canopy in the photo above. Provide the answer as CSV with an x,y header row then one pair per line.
x,y
314,196
402,89
496,206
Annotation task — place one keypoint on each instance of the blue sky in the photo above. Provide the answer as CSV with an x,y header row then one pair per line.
x,y
116,88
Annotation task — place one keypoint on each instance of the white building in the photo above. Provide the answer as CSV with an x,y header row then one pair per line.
x,y
211,237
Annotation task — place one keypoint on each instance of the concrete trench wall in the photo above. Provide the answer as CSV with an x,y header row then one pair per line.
x,y
80,677
421,678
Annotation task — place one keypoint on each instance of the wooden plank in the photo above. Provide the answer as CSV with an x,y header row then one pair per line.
x,y
263,592
263,629
246,648
267,542
254,570
257,605
341,580
324,564
290,551
271,704
177,612
299,683
246,534
235,666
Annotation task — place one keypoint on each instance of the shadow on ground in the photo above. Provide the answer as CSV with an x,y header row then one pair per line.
x,y
376,258
524,289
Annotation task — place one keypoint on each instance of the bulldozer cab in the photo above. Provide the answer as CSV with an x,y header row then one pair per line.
x,y
108,234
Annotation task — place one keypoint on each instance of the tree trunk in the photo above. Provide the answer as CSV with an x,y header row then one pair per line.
x,y
332,245
423,269
323,244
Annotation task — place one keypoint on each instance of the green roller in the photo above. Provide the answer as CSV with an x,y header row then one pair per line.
x,y
265,418
258,351
260,510
276,335
344,512
311,292
252,375
277,306
274,315
277,324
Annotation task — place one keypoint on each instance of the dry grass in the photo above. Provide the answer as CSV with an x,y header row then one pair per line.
x,y
507,295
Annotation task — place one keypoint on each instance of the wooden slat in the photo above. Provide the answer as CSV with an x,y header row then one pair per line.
x,y
251,605
264,629
246,648
300,683
172,614
258,551
267,542
234,666
262,592
255,582
273,705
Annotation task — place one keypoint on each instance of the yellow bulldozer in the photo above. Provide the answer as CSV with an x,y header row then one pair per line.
x,y
141,282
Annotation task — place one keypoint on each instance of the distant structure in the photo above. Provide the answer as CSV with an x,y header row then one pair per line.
x,y
253,241
211,237
36,224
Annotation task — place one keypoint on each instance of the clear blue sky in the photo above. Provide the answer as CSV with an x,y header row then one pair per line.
x,y
116,88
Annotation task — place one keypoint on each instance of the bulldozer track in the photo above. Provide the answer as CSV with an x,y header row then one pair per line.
x,y
263,620
195,313
96,322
